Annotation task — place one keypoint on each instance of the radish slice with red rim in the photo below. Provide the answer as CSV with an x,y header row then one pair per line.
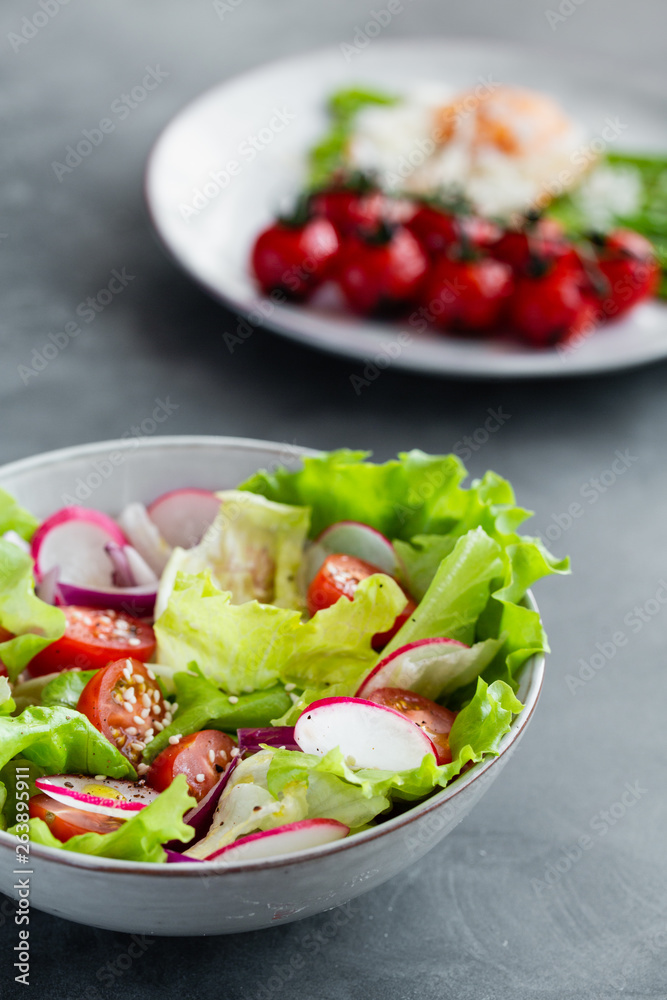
x,y
183,516
424,666
75,539
300,836
108,796
368,735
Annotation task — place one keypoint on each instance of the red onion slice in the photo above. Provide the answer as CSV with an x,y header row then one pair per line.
x,y
280,737
122,575
201,815
173,857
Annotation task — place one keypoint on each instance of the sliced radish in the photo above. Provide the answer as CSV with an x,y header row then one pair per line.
x,y
286,839
144,535
352,538
108,796
183,516
424,667
75,539
280,737
367,734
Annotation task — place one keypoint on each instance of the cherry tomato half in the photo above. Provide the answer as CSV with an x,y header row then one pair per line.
x,y
339,576
536,238
64,822
437,229
347,209
435,720
201,757
92,639
124,702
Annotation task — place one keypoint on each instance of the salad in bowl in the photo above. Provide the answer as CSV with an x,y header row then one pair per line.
x,y
232,675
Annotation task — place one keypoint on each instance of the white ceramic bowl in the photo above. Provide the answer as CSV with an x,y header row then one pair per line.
x,y
193,899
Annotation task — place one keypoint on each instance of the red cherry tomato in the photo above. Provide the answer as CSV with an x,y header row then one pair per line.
x,y
294,259
92,639
435,720
467,295
437,229
339,576
382,271
627,260
551,309
201,757
348,209
64,822
123,701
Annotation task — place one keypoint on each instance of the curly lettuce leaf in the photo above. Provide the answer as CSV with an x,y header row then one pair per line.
x,y
32,623
61,741
253,550
7,703
139,838
202,705
250,647
476,733
66,687
13,517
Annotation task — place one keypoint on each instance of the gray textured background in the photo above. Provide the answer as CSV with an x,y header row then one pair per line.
x,y
474,919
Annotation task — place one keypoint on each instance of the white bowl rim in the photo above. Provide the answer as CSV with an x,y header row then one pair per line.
x,y
197,869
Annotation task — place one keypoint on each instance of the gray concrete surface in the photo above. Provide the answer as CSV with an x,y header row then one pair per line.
x,y
509,905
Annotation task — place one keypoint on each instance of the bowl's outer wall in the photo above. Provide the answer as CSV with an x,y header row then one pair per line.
x,y
171,900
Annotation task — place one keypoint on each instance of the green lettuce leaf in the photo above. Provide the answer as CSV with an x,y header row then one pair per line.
x,y
201,705
61,741
66,687
251,646
476,733
13,517
33,623
253,550
7,703
8,778
139,838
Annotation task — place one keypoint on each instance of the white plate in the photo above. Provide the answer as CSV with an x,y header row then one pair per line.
x,y
209,224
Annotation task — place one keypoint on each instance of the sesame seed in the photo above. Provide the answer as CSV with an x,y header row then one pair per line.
x,y
156,709
167,718
158,725
233,699
131,694
127,670
127,705
139,721
148,735
138,745
138,679
133,641
151,675
211,756
146,700
174,707
200,777
175,739
142,768
156,693
145,713
290,687
105,619
100,777
131,731
234,752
